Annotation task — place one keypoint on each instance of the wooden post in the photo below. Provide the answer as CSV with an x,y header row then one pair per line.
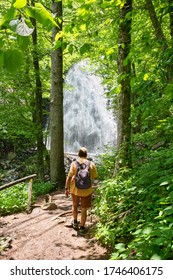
x,y
28,210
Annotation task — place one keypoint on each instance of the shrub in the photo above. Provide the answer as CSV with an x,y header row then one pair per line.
x,y
40,188
13,199
136,212
105,162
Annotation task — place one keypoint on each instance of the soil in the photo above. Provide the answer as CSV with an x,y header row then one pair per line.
x,y
47,235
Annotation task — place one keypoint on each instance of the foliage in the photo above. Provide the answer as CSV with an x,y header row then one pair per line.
x,y
106,162
14,199
40,188
136,210
18,124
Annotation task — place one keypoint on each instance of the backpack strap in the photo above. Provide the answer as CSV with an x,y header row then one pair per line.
x,y
87,162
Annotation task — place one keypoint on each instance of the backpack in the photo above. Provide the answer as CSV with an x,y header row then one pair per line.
x,y
83,180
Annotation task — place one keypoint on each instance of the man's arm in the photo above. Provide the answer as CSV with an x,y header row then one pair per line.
x,y
67,186
94,173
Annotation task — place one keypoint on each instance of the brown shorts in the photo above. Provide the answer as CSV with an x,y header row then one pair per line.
x,y
84,200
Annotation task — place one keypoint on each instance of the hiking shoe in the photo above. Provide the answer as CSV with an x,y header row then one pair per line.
x,y
72,224
82,230
75,225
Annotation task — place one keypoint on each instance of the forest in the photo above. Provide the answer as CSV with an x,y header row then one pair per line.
x,y
129,45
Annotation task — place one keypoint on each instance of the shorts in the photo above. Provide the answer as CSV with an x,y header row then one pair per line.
x,y
84,200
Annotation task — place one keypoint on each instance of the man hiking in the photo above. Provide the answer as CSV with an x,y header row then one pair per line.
x,y
79,184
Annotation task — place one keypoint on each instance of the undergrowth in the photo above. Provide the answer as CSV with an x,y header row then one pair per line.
x,y
105,162
15,198
136,211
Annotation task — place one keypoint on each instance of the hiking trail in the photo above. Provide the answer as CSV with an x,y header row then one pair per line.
x,y
46,235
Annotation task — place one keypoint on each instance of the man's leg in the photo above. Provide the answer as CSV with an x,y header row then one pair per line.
x,y
75,203
83,216
74,211
85,204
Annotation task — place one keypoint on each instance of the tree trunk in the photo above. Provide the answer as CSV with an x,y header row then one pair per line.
x,y
135,103
57,170
38,105
161,38
124,70
156,24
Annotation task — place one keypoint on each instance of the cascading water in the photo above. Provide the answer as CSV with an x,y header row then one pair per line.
x,y
87,121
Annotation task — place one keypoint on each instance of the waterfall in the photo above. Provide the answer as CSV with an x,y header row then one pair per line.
x,y
87,120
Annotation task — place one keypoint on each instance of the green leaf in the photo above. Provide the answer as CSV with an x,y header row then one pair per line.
x,y
168,210
64,45
20,4
23,42
41,15
147,230
146,77
83,27
70,49
155,257
138,231
11,13
114,256
59,35
110,51
164,183
81,12
120,3
120,247
30,12
13,60
85,48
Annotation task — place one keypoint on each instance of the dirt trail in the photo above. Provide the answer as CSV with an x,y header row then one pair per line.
x,y
41,235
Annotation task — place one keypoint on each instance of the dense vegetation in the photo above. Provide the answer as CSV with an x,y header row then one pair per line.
x,y
135,207
15,198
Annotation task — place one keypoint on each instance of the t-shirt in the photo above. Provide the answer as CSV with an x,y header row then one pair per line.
x,y
72,174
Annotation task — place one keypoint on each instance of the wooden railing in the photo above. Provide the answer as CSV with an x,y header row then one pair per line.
x,y
13,183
